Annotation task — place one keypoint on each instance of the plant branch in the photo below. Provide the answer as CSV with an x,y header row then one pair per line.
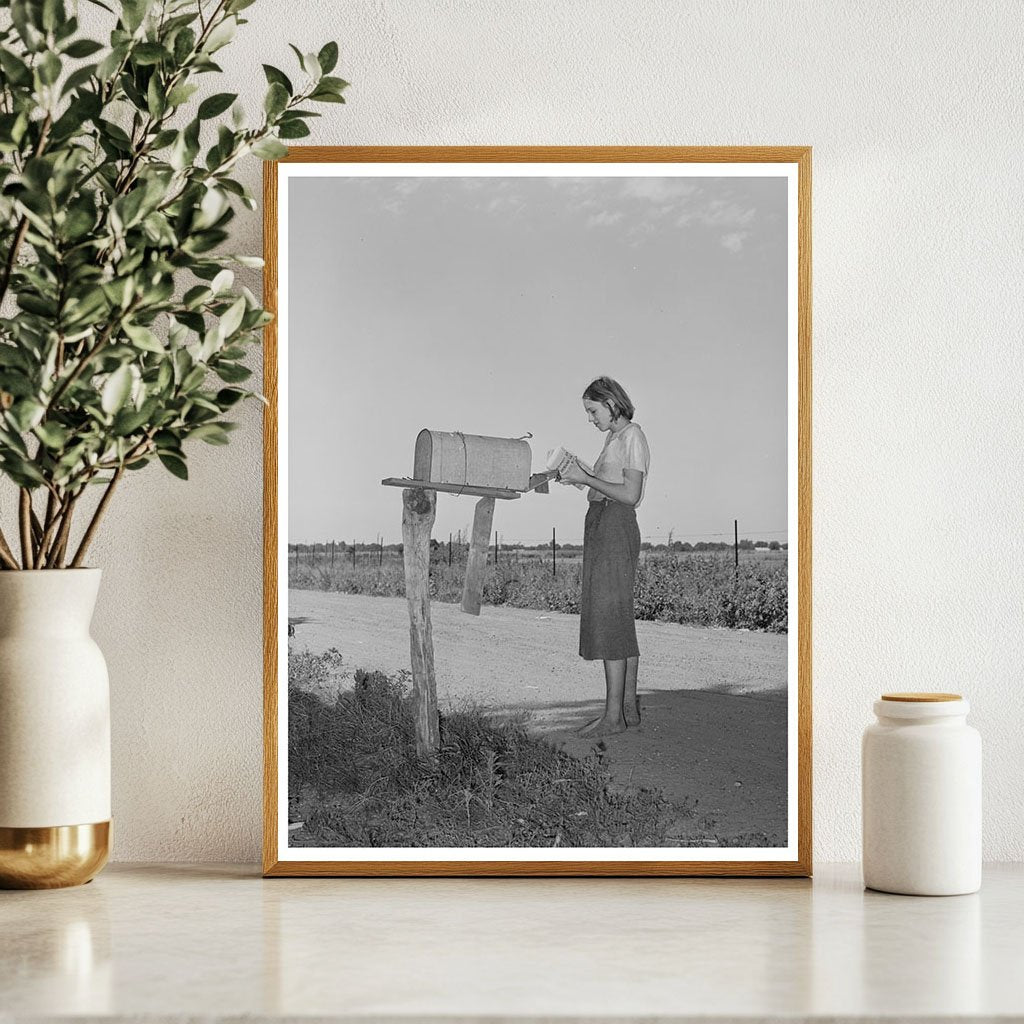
x,y
60,543
6,555
51,524
25,523
86,358
96,517
22,229
37,527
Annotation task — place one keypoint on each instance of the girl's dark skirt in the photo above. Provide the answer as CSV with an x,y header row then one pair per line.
x,y
611,548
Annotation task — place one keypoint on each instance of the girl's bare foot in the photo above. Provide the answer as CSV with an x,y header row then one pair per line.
x,y
603,727
631,711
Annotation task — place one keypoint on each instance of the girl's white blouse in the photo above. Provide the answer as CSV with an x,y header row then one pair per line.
x,y
628,449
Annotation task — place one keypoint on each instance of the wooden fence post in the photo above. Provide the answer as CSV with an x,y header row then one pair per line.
x,y
418,508
476,561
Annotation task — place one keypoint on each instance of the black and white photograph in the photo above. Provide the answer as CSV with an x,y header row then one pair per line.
x,y
537,531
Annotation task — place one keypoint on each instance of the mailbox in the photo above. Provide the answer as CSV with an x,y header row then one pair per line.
x,y
468,460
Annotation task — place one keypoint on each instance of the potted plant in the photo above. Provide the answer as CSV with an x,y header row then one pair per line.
x,y
122,339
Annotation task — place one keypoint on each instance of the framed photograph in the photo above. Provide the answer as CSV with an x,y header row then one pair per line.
x,y
538,511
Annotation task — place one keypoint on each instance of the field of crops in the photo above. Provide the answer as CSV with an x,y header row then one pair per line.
x,y
694,589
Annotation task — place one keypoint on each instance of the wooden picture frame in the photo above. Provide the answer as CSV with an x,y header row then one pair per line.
x,y
701,165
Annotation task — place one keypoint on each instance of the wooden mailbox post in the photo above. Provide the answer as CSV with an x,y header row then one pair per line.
x,y
488,468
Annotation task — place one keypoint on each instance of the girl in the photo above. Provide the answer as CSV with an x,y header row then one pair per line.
x,y
611,547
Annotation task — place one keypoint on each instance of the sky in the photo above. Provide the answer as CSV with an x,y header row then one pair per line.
x,y
487,304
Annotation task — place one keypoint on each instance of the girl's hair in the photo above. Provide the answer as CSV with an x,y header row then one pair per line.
x,y
613,394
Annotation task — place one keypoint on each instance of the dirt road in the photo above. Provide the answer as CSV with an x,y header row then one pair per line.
x,y
713,736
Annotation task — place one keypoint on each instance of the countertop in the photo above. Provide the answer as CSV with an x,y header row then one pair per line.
x,y
180,941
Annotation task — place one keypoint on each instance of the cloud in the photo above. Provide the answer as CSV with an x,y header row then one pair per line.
x,y
604,219
657,190
407,186
718,213
734,241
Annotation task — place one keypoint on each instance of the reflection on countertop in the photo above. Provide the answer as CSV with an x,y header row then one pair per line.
x,y
186,940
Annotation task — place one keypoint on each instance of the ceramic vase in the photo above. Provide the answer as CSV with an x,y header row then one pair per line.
x,y
54,731
921,775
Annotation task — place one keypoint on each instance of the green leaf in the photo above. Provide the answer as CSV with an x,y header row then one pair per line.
x,y
234,6
227,397
109,65
279,77
211,208
83,48
175,464
293,130
276,99
168,441
149,53
86,309
116,390
162,139
185,147
143,338
14,68
78,78
10,355
181,94
211,433
26,413
49,68
184,44
115,133
164,376
324,96
334,84
232,319
11,442
216,104
21,471
193,379
134,13
129,207
119,291
328,58
196,296
269,149
65,30
26,21
232,373
156,99
78,222
221,35
53,435
35,304
222,282
53,14
128,421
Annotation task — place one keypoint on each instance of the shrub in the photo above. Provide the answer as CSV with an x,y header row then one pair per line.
x,y
355,776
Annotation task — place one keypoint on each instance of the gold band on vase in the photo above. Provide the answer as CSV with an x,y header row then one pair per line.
x,y
52,857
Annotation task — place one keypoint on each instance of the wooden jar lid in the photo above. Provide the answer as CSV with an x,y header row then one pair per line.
x,y
921,698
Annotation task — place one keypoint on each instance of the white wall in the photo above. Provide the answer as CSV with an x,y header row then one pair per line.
x,y
914,113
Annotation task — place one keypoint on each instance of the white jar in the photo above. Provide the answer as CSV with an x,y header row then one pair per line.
x,y
921,778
